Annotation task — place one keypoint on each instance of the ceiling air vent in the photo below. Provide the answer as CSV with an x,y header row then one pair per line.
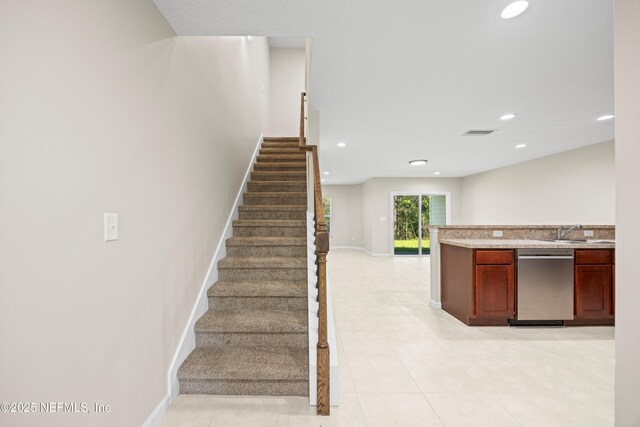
x,y
479,132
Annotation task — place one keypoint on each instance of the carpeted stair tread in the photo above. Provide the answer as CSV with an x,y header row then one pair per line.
x,y
281,138
294,184
253,321
280,150
281,158
266,241
264,289
278,186
270,222
263,263
276,194
276,175
280,145
267,183
273,212
280,166
272,208
246,364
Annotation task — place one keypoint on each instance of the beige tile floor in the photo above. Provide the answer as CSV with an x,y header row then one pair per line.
x,y
403,363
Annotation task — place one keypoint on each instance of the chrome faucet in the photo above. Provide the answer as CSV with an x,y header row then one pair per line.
x,y
562,232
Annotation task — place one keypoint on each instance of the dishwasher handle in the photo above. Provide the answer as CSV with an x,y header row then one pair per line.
x,y
545,257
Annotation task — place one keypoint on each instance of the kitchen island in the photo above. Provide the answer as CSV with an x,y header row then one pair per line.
x,y
479,279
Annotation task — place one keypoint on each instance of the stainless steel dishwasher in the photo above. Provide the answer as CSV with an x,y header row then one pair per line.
x,y
545,286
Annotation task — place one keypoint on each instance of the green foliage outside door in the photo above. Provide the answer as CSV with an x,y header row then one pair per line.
x,y
412,216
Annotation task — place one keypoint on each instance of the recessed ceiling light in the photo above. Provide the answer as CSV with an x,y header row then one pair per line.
x,y
417,162
521,145
514,9
436,173
479,132
605,117
326,173
507,116
341,144
249,38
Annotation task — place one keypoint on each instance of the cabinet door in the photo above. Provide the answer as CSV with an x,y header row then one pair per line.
x,y
494,291
593,291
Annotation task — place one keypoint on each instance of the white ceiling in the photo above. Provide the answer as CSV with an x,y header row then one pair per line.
x,y
288,42
401,80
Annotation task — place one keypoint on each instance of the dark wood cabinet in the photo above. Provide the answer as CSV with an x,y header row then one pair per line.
x,y
593,287
478,285
592,291
495,291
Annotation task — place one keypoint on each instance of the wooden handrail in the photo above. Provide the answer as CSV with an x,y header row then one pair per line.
x,y
323,404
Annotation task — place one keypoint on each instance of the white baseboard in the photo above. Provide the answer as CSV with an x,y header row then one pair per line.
x,y
188,339
435,304
154,417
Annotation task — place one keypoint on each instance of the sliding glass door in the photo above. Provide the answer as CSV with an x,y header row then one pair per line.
x,y
406,232
412,216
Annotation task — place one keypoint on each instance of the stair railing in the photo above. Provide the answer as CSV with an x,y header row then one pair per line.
x,y
322,249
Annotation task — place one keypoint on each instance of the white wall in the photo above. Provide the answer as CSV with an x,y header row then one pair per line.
x,y
576,186
367,207
346,220
103,109
627,103
287,81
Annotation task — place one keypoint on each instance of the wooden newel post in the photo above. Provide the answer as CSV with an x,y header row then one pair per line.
x,y
324,365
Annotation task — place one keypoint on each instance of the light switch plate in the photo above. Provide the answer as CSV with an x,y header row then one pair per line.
x,y
588,233
497,233
110,227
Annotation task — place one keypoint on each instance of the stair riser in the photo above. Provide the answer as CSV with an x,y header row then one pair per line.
x,y
257,303
277,200
280,159
266,251
247,388
289,148
291,166
270,142
241,231
256,274
280,150
281,215
293,186
291,176
221,339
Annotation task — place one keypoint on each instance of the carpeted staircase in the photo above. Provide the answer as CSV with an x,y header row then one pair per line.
x,y
254,338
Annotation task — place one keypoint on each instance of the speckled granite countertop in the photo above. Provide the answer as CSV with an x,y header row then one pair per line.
x,y
524,243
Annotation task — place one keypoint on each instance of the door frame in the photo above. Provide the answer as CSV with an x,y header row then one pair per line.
x,y
392,194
